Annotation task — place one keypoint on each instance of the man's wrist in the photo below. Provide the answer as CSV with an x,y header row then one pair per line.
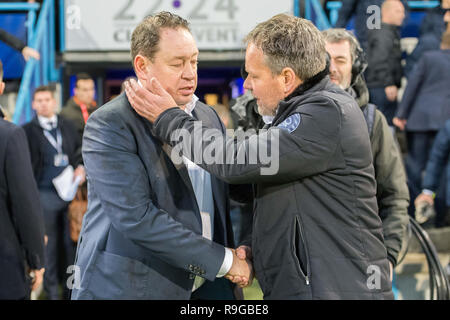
x,y
227,263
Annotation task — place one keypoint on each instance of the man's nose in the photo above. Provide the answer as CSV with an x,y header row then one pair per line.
x,y
447,17
333,68
189,71
247,85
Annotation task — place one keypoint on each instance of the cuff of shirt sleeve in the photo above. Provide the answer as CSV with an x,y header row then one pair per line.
x,y
428,192
227,263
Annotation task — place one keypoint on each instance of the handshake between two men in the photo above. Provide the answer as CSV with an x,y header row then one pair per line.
x,y
241,271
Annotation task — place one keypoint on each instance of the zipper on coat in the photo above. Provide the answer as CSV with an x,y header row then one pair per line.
x,y
297,242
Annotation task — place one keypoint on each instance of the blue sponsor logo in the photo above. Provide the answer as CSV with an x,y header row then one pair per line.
x,y
291,123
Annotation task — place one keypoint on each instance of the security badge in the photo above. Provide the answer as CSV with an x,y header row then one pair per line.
x,y
60,159
291,123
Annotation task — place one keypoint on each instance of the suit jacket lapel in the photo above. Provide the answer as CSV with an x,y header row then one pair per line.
x,y
182,171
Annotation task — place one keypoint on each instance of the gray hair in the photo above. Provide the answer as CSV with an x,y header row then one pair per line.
x,y
338,35
293,42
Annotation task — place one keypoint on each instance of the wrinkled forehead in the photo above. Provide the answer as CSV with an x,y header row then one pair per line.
x,y
338,48
254,58
176,43
85,83
43,95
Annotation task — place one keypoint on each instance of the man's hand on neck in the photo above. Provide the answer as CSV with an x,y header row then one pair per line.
x,y
149,103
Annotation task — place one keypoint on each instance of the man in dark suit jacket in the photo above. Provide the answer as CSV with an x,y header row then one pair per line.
x,y
21,221
156,225
54,145
424,109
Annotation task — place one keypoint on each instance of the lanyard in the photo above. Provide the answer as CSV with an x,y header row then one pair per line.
x,y
84,111
57,144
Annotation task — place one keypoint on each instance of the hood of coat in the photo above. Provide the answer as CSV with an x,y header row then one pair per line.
x,y
359,91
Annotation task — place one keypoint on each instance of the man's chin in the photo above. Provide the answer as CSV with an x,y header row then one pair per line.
x,y
183,100
265,112
335,81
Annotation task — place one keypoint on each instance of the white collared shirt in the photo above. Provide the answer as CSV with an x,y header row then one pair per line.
x,y
45,122
201,183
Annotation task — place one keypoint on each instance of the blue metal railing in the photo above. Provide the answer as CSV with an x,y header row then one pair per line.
x,y
314,12
31,8
42,38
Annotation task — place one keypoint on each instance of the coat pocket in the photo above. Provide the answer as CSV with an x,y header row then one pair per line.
x,y
300,251
119,278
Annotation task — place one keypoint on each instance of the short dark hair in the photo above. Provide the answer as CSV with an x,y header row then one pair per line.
x,y
82,76
46,88
146,36
1,70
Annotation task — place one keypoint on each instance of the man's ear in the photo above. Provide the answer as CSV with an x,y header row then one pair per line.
x,y
2,87
140,66
33,105
290,80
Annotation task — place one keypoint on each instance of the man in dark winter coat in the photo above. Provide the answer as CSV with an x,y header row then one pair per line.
x,y
316,230
346,70
385,72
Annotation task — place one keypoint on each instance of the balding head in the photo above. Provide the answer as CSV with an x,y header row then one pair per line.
x,y
393,12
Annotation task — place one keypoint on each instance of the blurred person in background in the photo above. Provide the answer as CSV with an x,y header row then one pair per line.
x,y
438,167
244,109
22,224
358,9
432,28
18,45
212,99
54,145
384,55
424,108
82,104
